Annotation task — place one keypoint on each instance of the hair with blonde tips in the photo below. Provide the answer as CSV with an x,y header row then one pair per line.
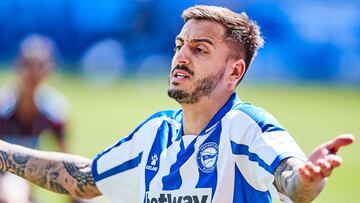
x,y
242,35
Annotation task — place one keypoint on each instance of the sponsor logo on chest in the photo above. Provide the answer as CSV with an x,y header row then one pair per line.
x,y
201,195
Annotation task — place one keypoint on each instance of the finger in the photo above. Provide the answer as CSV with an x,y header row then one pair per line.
x,y
334,160
326,167
324,164
312,168
342,140
309,172
305,174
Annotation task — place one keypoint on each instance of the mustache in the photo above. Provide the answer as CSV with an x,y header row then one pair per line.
x,y
184,68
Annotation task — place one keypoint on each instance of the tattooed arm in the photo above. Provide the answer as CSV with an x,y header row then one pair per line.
x,y
287,182
303,181
58,172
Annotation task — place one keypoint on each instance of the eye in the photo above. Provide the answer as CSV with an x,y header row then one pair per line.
x,y
199,50
177,48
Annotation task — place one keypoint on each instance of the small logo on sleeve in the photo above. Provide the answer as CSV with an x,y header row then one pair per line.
x,y
207,157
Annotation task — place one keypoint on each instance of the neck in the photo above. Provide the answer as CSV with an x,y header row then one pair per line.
x,y
25,108
198,115
27,90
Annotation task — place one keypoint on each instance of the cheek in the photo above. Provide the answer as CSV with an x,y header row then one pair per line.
x,y
173,60
173,64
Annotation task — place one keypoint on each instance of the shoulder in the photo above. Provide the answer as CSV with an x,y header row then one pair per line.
x,y
251,114
169,116
8,98
52,103
154,122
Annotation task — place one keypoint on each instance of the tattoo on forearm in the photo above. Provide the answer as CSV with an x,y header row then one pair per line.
x,y
284,173
51,177
61,173
83,179
287,182
21,159
15,165
56,187
3,160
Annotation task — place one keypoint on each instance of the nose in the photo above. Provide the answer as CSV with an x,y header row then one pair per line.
x,y
182,56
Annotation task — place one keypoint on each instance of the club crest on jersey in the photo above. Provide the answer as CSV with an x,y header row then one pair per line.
x,y
207,157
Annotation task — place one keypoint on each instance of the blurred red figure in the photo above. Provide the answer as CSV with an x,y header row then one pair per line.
x,y
28,108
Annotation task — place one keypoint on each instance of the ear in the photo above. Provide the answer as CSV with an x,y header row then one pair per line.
x,y
238,69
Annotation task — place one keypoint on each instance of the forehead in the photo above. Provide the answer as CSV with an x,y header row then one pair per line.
x,y
202,29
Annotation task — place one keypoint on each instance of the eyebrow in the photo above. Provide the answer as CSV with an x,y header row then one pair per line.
x,y
197,40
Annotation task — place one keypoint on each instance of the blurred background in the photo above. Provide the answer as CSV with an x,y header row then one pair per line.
x,y
305,40
113,58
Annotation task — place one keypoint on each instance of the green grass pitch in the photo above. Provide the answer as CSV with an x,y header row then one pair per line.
x,y
311,113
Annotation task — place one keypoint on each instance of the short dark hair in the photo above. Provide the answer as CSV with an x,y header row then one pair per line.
x,y
242,34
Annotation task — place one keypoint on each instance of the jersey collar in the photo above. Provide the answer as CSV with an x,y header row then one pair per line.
x,y
232,101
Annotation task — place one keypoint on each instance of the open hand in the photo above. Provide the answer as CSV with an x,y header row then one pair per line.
x,y
323,160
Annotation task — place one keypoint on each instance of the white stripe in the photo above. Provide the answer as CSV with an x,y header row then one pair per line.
x,y
146,155
256,176
225,166
271,144
123,186
189,171
266,145
243,128
167,159
130,149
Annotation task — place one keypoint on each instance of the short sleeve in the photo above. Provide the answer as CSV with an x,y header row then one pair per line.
x,y
259,143
117,170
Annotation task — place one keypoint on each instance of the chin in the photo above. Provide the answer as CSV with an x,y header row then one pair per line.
x,y
176,87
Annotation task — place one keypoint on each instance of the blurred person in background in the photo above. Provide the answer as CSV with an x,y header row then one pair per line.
x,y
215,148
30,107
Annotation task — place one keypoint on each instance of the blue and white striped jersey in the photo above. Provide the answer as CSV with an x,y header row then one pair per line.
x,y
232,160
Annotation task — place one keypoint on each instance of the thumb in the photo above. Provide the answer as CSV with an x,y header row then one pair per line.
x,y
342,140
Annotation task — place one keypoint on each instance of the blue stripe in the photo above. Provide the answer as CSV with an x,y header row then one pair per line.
x,y
209,180
241,149
168,113
283,156
119,169
245,193
265,121
162,141
173,180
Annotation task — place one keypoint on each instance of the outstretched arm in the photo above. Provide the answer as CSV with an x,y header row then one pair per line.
x,y
303,181
58,172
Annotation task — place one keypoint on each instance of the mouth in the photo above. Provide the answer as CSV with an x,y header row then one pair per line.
x,y
180,74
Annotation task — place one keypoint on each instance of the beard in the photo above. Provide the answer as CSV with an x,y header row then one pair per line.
x,y
203,86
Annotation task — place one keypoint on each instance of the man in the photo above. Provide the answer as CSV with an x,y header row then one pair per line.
x,y
29,107
214,149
